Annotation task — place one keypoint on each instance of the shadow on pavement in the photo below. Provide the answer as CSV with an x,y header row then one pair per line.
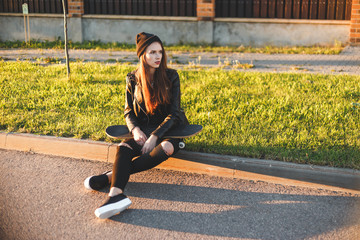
x,y
231,213
43,197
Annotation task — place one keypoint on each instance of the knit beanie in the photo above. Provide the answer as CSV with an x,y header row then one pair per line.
x,y
143,40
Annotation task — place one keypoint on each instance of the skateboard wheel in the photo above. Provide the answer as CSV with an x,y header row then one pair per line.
x,y
181,145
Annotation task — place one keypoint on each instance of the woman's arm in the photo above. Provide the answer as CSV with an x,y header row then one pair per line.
x,y
129,113
130,116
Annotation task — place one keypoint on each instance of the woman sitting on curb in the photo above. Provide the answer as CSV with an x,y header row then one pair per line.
x,y
152,107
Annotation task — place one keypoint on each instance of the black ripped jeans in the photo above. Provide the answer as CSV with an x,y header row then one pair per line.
x,y
129,161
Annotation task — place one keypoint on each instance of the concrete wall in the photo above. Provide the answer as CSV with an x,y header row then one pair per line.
x,y
172,30
44,28
123,30
280,32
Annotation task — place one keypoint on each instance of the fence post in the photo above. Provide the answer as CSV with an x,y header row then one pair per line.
x,y
75,8
75,12
355,23
205,11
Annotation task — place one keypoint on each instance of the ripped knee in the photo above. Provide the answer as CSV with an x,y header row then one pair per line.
x,y
125,145
167,147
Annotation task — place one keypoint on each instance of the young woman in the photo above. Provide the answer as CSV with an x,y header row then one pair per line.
x,y
152,107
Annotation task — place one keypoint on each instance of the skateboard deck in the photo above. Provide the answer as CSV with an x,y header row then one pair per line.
x,y
181,131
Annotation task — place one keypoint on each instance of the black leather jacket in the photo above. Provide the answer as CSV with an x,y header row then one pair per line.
x,y
166,116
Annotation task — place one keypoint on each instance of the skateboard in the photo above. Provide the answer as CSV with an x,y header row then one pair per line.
x,y
181,131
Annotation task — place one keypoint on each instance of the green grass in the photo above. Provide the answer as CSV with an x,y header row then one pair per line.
x,y
303,118
336,48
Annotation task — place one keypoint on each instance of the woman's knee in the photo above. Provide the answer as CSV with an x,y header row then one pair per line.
x,y
167,147
123,144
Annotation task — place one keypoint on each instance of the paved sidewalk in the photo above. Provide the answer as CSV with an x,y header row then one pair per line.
x,y
348,62
43,197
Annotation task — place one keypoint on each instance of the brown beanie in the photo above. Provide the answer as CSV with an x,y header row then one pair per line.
x,y
143,40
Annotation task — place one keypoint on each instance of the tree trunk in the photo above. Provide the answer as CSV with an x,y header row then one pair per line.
x,y
66,41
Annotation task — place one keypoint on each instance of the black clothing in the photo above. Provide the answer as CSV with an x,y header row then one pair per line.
x,y
131,160
165,116
125,163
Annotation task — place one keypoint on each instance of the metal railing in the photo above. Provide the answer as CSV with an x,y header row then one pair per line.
x,y
34,6
141,7
289,9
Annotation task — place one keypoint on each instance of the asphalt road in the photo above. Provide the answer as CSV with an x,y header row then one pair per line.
x,y
42,197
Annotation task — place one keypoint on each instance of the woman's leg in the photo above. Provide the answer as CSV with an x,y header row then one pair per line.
x,y
159,154
122,166
117,201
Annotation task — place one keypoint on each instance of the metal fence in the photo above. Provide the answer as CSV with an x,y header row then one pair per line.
x,y
290,9
142,7
34,6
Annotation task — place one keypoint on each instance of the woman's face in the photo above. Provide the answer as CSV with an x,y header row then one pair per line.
x,y
153,54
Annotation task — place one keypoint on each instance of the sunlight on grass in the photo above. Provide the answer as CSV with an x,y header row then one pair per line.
x,y
303,118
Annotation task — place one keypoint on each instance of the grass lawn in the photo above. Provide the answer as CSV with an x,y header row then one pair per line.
x,y
336,48
301,118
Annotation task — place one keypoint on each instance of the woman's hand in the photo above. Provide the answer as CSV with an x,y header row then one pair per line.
x,y
139,136
149,144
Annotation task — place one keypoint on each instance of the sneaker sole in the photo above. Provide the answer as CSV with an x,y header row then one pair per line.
x,y
87,183
112,209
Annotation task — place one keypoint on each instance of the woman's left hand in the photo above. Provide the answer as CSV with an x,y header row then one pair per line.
x,y
149,144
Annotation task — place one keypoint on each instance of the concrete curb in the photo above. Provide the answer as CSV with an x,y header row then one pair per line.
x,y
67,147
335,179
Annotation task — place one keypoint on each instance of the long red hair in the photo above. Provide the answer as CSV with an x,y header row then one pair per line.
x,y
154,91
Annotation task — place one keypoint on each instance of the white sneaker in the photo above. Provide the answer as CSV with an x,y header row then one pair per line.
x,y
112,206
